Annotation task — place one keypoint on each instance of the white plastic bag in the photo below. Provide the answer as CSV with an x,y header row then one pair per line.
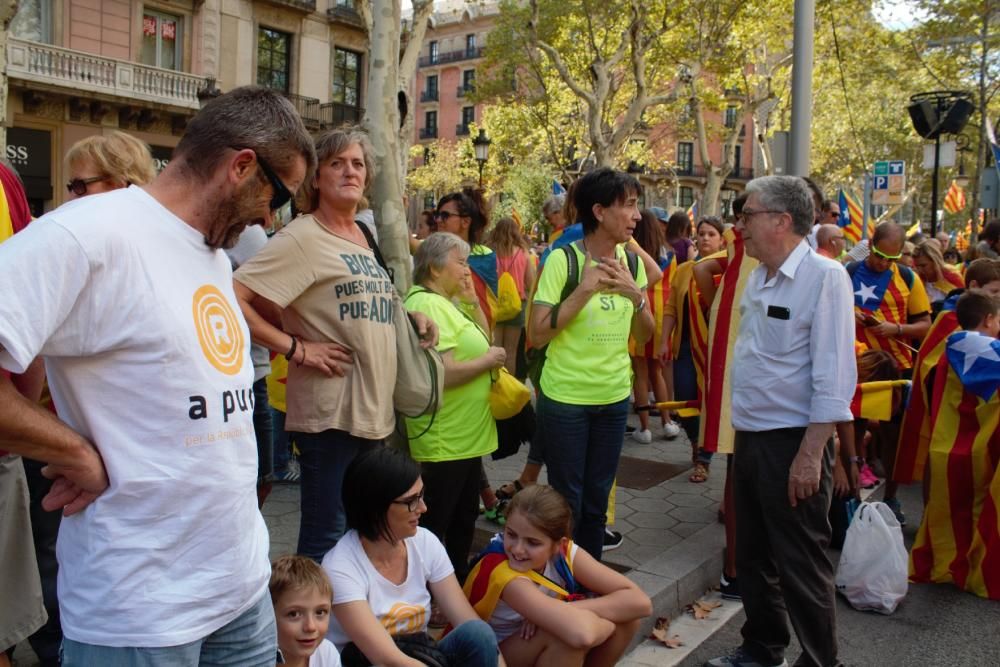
x,y
873,563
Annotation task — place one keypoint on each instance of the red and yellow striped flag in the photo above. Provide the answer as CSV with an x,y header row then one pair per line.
x,y
852,217
716,433
959,538
954,201
915,431
873,400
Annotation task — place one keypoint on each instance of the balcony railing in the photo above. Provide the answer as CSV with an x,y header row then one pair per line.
x,y
738,173
334,114
428,133
464,90
461,130
429,95
304,5
44,63
346,15
452,56
308,108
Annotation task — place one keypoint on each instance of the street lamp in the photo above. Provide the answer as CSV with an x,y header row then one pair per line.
x,y
481,144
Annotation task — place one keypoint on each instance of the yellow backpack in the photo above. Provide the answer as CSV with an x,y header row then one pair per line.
x,y
508,300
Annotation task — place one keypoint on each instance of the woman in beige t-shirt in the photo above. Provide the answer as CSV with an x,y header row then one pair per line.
x,y
316,294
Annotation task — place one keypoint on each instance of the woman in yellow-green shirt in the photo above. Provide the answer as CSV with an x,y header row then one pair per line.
x,y
463,429
583,400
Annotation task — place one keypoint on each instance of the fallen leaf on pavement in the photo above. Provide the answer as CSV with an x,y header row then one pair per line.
x,y
703,608
660,634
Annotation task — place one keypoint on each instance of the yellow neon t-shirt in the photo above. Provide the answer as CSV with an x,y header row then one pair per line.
x,y
587,363
464,427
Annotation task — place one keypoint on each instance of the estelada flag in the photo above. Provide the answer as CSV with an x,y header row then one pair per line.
x,y
491,573
958,538
483,264
657,296
14,212
915,431
716,432
852,217
954,201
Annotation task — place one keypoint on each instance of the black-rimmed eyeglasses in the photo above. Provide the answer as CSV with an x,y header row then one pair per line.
x,y
412,503
78,186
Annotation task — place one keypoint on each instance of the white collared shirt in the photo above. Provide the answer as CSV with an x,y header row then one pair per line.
x,y
793,363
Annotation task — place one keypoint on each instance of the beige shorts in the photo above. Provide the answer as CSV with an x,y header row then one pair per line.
x,y
21,609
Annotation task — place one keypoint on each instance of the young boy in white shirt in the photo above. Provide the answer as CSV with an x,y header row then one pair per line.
x,y
301,594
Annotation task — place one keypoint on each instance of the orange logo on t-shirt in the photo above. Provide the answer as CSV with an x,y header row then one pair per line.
x,y
219,330
404,619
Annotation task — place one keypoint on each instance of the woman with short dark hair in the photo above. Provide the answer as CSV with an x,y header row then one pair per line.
x,y
386,568
583,399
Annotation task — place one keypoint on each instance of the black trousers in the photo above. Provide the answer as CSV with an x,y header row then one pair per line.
x,y
781,555
451,492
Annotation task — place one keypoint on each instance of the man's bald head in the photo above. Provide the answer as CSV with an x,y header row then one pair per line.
x,y
890,232
830,239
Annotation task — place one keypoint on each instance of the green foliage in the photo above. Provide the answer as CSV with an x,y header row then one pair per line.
x,y
452,164
526,187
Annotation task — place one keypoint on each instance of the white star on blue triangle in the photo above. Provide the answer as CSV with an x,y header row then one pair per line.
x,y
866,292
975,358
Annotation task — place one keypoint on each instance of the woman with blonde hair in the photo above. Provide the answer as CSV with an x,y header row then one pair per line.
x,y
939,278
106,162
514,257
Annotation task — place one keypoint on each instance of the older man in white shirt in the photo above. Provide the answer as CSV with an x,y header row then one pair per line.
x,y
793,378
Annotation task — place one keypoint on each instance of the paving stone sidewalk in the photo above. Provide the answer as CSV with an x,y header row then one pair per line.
x,y
651,521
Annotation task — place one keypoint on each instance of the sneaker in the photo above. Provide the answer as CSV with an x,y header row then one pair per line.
x,y
291,474
671,430
643,437
729,588
897,510
866,478
740,658
612,540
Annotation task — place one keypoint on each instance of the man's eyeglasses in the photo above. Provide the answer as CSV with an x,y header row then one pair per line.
x,y
281,195
78,186
412,503
444,215
835,215
891,258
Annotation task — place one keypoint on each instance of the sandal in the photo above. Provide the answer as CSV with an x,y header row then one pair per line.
x,y
504,492
700,473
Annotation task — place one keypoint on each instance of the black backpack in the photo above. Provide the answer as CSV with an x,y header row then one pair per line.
x,y
535,356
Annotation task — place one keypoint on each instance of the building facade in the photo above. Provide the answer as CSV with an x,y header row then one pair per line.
x,y
446,70
77,68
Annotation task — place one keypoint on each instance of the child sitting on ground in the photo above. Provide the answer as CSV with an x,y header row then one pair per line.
x,y
302,595
525,585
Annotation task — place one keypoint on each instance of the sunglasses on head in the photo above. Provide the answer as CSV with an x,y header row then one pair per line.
x,y
891,258
282,195
78,186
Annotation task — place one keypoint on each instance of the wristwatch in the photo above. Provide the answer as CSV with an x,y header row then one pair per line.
x,y
642,305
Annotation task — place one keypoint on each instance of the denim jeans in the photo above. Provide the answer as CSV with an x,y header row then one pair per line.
x,y
262,429
323,459
582,447
472,644
44,530
686,387
250,640
282,446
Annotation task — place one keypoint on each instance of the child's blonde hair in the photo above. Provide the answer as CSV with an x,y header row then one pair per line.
x,y
295,573
545,509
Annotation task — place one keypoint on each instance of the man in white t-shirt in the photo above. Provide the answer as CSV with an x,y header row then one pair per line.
x,y
128,297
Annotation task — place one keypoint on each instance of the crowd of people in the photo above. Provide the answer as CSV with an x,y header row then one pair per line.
x,y
175,336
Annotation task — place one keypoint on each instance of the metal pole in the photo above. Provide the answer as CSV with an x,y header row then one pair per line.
x,y
934,184
481,164
802,69
867,198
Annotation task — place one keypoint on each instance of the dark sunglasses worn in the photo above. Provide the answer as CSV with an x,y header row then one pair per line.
x,y
78,186
444,215
282,195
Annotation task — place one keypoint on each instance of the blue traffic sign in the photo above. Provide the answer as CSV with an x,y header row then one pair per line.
x,y
881,183
897,167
